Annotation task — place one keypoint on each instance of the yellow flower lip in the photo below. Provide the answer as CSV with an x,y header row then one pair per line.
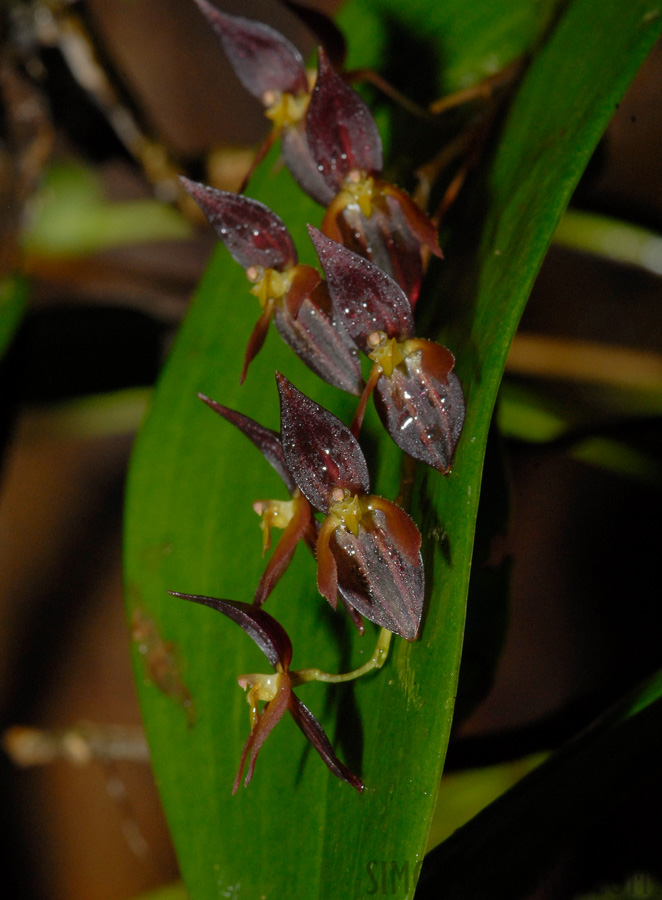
x,y
269,284
285,109
361,188
347,508
386,352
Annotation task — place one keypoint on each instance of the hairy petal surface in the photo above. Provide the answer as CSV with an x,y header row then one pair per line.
x,y
320,451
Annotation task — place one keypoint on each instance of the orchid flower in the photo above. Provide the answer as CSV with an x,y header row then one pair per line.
x,y
294,516
292,294
376,219
418,396
272,70
275,690
368,548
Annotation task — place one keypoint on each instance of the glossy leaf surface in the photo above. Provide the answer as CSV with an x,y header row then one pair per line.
x,y
297,831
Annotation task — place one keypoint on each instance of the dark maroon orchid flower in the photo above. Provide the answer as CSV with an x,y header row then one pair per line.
x,y
274,690
376,219
367,548
418,396
294,516
292,294
272,70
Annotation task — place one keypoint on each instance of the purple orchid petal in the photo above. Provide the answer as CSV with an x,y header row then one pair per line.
x,y
380,570
320,340
304,169
384,238
254,235
423,414
320,451
365,298
262,59
315,734
268,442
268,634
342,133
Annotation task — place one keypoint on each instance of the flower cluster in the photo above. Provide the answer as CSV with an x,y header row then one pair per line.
x,y
372,246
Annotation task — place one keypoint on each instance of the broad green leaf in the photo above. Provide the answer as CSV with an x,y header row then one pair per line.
x,y
297,831
518,837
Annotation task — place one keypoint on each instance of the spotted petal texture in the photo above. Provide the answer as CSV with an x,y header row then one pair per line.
x,y
262,59
380,570
364,297
342,133
422,410
320,451
254,235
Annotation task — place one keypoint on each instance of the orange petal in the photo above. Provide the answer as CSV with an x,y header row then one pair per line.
x,y
401,529
420,224
257,338
436,359
270,717
327,571
294,531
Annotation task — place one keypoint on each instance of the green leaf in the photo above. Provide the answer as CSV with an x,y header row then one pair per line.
x,y
297,831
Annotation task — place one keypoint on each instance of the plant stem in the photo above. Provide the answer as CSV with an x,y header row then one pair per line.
x,y
376,661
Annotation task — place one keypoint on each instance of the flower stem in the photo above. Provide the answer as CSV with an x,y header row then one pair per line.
x,y
376,661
